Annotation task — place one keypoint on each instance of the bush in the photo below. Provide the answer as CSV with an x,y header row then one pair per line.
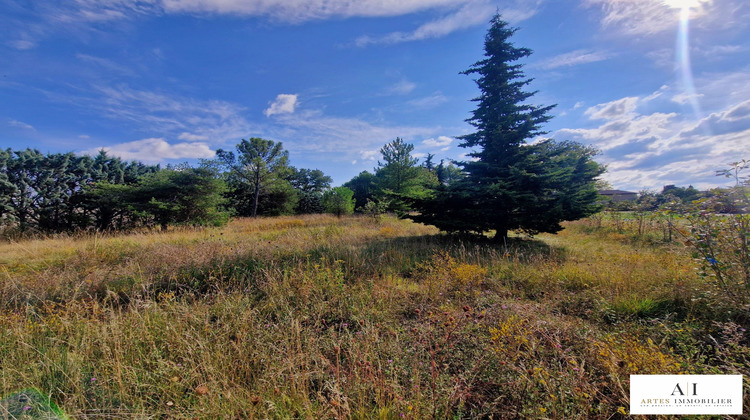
x,y
721,242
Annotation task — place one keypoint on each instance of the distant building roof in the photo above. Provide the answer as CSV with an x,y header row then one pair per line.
x,y
619,195
616,192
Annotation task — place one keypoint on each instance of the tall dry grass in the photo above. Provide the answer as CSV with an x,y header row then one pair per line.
x,y
319,317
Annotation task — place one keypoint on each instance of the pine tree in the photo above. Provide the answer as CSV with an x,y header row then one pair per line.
x,y
258,164
509,183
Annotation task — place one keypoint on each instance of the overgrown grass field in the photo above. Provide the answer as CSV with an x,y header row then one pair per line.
x,y
320,317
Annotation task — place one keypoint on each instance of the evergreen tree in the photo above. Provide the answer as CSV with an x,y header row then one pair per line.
x,y
183,195
7,189
399,177
509,184
258,164
310,185
364,187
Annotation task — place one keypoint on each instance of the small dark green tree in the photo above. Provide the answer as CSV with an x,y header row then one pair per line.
x,y
310,185
399,169
399,177
511,185
339,201
257,164
364,187
182,196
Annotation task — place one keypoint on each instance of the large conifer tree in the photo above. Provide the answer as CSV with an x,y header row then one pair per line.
x,y
510,184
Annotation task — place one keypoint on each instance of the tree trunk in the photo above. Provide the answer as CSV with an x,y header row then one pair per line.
x,y
256,195
501,235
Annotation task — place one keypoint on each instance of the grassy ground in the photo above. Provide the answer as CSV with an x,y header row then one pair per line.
x,y
318,317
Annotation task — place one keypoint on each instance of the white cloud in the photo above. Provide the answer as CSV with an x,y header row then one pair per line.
x,y
647,149
75,15
21,124
369,154
165,115
105,64
441,141
155,150
21,44
615,110
192,137
640,17
469,14
283,104
650,17
303,10
573,58
339,138
427,102
402,87
684,98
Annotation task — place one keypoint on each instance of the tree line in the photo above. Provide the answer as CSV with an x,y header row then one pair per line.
x,y
509,182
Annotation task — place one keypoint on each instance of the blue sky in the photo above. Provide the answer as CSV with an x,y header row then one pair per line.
x,y
660,87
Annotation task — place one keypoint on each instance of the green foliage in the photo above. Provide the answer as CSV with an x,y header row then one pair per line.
x,y
309,180
447,174
399,169
257,165
375,209
512,185
278,198
184,196
49,193
721,242
364,187
310,185
339,201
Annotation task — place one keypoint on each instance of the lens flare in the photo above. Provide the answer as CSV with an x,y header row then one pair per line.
x,y
683,54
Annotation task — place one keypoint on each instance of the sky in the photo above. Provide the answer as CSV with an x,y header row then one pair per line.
x,y
660,87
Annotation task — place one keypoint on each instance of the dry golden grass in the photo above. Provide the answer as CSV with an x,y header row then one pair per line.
x,y
319,317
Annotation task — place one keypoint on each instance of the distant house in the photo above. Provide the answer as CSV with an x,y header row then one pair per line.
x,y
618,195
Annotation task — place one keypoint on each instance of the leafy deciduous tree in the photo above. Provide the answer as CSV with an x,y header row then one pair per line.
x,y
339,201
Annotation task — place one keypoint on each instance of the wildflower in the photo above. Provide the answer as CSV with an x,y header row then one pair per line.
x,y
93,379
711,261
505,306
390,360
27,408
